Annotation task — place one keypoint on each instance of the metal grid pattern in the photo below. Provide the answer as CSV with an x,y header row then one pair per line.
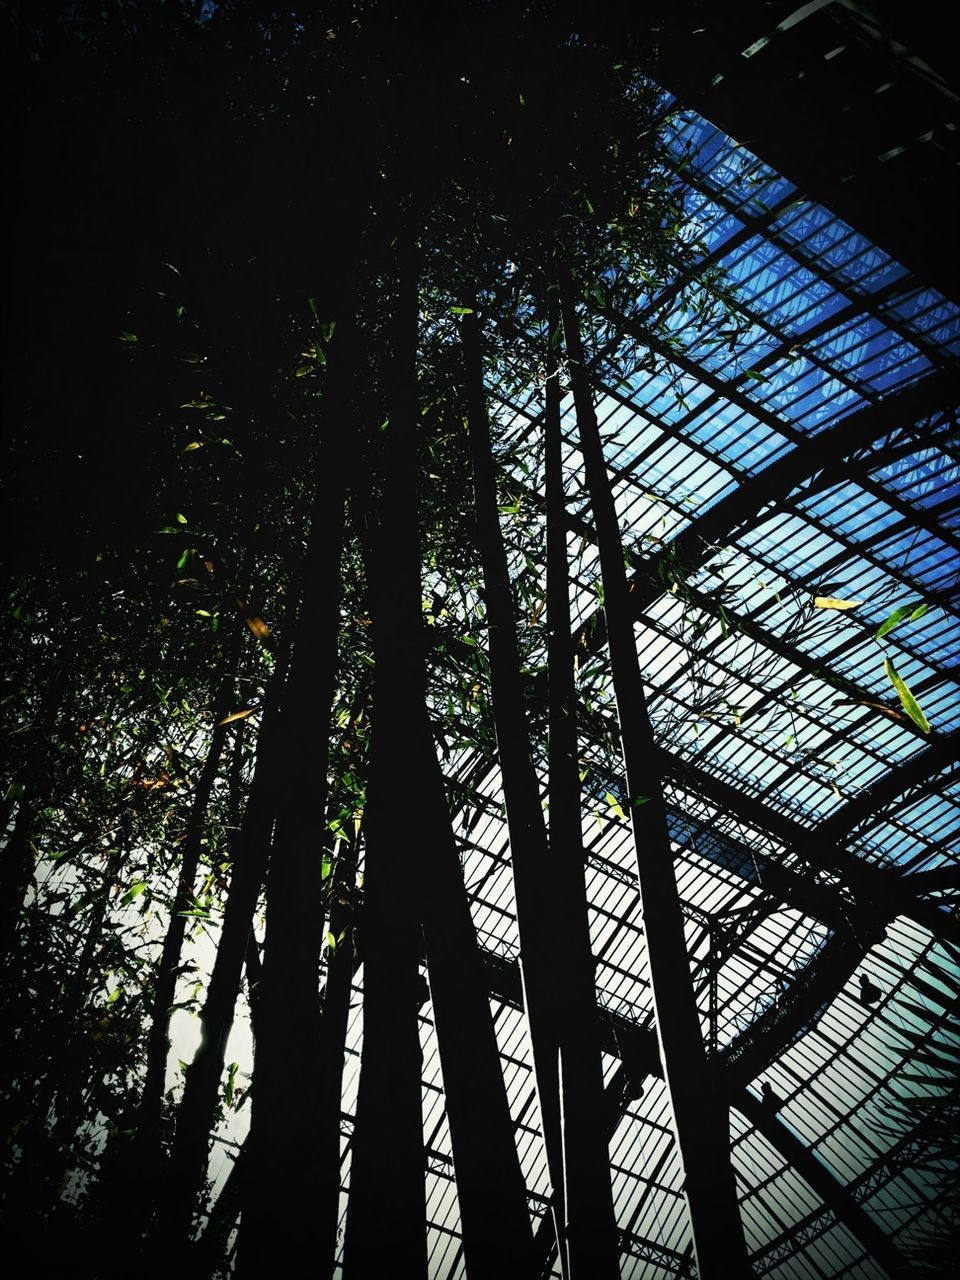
x,y
784,707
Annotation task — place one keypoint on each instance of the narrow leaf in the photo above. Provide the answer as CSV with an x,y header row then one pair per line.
x,y
831,602
910,704
258,627
912,611
614,804
236,715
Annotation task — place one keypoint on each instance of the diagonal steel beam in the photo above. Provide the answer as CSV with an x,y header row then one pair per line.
x,y
823,848
758,496
820,1180
746,1057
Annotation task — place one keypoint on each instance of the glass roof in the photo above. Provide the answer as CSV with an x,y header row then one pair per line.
x,y
787,751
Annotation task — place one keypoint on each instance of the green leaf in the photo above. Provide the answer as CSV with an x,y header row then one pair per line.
x,y
831,602
331,942
231,1082
909,702
134,891
114,996
181,519
756,375
462,311
326,866
910,611
614,804
640,800
312,304
126,336
194,444
185,558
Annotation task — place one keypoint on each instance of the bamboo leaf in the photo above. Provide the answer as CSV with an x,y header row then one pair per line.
x,y
909,611
831,602
258,627
910,704
614,804
231,1083
237,715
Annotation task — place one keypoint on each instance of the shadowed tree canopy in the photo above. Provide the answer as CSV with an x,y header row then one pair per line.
x,y
290,586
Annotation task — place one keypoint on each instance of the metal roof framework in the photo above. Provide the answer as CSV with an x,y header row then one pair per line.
x,y
810,816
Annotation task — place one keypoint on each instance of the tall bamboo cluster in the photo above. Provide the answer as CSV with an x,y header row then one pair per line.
x,y
239,672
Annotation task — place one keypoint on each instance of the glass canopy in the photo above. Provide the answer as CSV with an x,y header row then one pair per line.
x,y
799,787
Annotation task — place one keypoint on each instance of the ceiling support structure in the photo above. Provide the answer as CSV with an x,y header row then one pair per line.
x,y
755,498
819,1178
884,889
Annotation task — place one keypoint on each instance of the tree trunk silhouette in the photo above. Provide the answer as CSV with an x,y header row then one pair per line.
x,y
386,1223
699,1111
533,879
178,1196
591,1228
284,1160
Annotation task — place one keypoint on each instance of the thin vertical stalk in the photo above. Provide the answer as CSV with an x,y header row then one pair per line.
x,y
590,1230
283,1169
700,1113
490,1185
533,876
158,1037
335,1018
386,1220
16,854
425,886
184,1180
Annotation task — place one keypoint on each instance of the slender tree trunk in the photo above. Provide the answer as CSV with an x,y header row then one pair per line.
x,y
386,1221
490,1184
406,884
183,1182
700,1113
158,1038
135,1172
335,1017
533,876
591,1227
16,856
284,1168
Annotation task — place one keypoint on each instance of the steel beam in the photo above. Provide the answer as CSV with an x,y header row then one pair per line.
x,y
820,1179
757,497
823,847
